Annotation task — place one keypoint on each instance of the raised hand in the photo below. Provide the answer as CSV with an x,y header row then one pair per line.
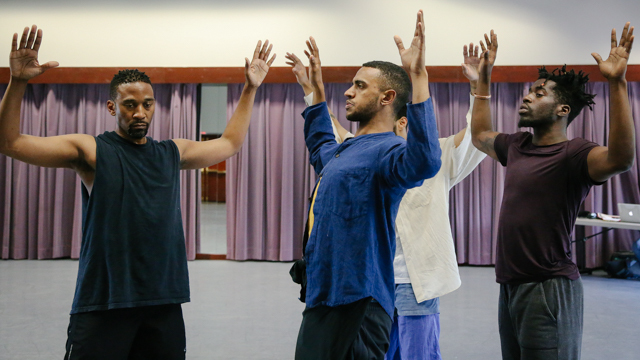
x,y
23,60
413,58
471,62
315,70
256,70
299,71
488,55
615,67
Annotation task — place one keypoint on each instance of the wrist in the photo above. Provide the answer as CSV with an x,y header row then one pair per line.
x,y
17,80
250,87
617,82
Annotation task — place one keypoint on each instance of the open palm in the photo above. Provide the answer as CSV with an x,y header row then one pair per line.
x,y
412,58
257,69
23,59
615,66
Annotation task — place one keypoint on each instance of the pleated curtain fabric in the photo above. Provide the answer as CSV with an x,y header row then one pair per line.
x,y
41,208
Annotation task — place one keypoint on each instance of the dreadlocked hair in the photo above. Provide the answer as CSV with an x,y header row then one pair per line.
x,y
126,77
569,89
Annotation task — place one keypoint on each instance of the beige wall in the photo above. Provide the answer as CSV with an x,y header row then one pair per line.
x,y
221,33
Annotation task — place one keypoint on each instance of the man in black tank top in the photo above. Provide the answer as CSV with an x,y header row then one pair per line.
x,y
547,178
132,273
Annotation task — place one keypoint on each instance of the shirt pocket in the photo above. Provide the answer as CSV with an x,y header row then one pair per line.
x,y
420,196
350,193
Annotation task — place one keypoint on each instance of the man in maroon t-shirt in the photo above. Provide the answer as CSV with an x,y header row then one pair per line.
x,y
547,178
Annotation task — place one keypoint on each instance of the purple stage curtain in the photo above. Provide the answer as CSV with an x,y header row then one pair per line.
x,y
270,180
41,208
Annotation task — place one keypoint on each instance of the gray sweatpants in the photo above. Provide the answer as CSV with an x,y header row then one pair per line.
x,y
541,321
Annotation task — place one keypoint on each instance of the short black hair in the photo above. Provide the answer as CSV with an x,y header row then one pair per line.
x,y
393,78
125,77
570,89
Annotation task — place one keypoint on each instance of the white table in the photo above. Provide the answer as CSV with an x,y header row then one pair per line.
x,y
606,226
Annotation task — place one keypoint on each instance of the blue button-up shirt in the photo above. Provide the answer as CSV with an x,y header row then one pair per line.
x,y
352,242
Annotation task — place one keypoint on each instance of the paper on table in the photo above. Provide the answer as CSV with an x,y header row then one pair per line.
x,y
607,217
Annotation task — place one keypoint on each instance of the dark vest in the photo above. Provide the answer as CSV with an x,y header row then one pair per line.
x,y
133,248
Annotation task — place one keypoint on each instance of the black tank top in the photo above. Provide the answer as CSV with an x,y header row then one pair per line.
x,y
133,249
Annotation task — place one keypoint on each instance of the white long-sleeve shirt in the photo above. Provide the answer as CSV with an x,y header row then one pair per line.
x,y
425,253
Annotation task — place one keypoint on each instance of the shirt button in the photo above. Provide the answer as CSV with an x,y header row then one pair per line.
x,y
337,155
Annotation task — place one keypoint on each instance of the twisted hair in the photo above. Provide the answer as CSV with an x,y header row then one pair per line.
x,y
570,89
393,78
125,77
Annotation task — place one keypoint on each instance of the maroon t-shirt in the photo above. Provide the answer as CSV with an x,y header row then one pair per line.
x,y
543,190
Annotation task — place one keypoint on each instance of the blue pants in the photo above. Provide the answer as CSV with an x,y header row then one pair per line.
x,y
415,338
415,332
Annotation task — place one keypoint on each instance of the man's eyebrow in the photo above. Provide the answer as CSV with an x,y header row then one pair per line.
x,y
149,99
539,87
359,82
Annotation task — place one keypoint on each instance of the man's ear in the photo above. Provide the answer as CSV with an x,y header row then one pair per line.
x,y
564,110
402,122
111,106
387,97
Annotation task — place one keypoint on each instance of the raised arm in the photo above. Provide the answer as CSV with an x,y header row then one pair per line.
x,y
470,71
318,133
619,154
419,159
301,76
74,151
482,133
199,154
315,71
413,61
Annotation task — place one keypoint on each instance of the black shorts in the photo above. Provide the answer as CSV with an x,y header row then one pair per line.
x,y
148,332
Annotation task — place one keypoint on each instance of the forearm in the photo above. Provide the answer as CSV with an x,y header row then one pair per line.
x,y
10,114
420,87
238,125
622,142
481,110
318,134
421,159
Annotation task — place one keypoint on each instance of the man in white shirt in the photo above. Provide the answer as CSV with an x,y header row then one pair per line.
x,y
425,264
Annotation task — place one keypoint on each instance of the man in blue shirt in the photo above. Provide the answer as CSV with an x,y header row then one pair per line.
x,y
349,254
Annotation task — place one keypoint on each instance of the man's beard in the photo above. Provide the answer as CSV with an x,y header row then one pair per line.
x,y
138,133
543,120
364,114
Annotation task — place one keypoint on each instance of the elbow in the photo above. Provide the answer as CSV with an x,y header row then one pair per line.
x,y
6,148
436,164
624,166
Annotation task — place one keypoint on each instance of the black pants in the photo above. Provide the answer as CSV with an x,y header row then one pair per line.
x,y
355,331
148,332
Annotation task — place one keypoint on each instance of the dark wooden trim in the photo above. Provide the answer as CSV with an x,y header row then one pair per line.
x,y
330,74
211,257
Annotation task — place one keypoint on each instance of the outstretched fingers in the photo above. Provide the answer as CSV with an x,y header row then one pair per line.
x,y
256,52
23,39
14,42
32,36
628,39
38,41
399,43
494,40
